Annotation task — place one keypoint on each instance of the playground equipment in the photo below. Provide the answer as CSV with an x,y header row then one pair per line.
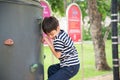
x,y
22,59
114,21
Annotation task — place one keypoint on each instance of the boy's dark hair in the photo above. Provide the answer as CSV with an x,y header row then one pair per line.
x,y
49,24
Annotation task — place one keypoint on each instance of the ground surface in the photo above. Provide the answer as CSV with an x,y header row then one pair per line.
x,y
102,77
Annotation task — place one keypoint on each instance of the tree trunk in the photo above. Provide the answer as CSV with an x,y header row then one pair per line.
x,y
98,42
107,33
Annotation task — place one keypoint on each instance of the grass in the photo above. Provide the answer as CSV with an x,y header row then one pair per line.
x,y
87,59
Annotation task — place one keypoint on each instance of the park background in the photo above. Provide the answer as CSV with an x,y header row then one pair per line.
x,y
86,47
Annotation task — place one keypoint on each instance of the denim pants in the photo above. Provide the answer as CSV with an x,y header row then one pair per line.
x,y
55,72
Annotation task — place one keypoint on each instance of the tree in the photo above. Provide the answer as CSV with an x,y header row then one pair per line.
x,y
98,42
57,6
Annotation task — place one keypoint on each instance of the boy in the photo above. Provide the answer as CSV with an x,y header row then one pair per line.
x,y
62,48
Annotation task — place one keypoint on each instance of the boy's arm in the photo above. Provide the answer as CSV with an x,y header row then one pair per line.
x,y
56,54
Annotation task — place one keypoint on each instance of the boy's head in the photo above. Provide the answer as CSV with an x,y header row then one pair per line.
x,y
50,26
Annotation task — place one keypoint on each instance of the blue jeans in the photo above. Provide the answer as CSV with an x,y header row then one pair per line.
x,y
64,73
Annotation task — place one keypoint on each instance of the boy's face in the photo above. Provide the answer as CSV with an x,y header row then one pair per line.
x,y
53,33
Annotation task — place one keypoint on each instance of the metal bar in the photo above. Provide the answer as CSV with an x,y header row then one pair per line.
x,y
115,40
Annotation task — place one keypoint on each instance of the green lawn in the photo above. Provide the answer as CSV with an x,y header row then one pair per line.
x,y
87,59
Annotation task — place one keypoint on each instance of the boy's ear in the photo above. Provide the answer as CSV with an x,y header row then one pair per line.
x,y
58,28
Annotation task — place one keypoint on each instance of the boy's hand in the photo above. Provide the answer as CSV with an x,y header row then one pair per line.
x,y
42,40
47,39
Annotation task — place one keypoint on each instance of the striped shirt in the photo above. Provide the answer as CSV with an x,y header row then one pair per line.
x,y
65,45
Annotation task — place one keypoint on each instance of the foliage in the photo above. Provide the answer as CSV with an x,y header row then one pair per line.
x,y
104,8
86,34
83,7
103,32
57,6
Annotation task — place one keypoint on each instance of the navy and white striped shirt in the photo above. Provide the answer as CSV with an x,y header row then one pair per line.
x,y
64,44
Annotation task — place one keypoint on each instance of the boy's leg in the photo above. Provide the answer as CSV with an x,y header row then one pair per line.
x,y
60,75
53,69
65,73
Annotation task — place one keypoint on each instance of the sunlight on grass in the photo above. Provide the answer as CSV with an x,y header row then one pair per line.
x,y
87,59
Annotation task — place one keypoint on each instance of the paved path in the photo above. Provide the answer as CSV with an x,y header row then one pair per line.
x,y
102,77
